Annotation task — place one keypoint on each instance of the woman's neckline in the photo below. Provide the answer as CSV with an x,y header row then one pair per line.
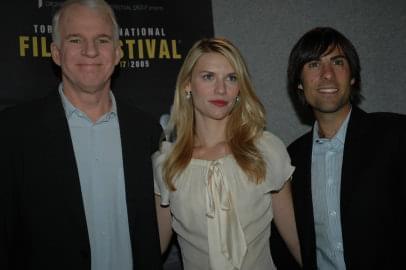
x,y
211,160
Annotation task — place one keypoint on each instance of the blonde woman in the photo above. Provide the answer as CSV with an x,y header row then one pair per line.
x,y
223,178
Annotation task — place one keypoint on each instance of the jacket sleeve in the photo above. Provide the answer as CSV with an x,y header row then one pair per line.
x,y
281,255
8,201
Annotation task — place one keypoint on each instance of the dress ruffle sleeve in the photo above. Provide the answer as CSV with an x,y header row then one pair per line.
x,y
158,159
278,165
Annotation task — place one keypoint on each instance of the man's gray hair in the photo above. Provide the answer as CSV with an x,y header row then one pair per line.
x,y
101,5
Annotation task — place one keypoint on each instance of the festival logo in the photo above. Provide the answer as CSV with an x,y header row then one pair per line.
x,y
141,46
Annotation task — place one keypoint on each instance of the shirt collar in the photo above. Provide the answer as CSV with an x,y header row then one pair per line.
x,y
71,109
340,135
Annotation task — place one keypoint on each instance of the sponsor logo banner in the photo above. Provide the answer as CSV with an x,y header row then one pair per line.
x,y
154,38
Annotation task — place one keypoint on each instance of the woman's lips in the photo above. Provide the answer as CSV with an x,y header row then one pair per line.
x,y
218,102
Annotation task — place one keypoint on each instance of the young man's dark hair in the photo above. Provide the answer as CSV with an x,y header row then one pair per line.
x,y
314,44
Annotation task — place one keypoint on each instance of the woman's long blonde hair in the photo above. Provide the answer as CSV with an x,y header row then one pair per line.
x,y
245,125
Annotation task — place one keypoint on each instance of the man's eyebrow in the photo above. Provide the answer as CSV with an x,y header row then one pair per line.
x,y
72,35
313,59
338,56
98,36
105,36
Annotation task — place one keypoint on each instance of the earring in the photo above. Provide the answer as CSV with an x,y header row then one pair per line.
x,y
188,94
237,99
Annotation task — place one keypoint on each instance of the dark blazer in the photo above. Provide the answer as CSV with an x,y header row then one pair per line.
x,y
42,218
373,194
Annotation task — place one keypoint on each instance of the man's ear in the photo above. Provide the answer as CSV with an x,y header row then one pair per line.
x,y
352,81
119,52
56,54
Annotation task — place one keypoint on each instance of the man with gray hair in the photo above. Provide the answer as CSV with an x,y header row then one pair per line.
x,y
76,179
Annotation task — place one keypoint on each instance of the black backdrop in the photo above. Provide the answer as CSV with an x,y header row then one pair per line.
x,y
155,36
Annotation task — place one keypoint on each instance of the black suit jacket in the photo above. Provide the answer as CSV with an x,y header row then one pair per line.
x,y
42,218
372,199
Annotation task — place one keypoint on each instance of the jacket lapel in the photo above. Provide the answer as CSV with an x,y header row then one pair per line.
x,y
353,157
62,160
302,194
136,141
129,137
353,164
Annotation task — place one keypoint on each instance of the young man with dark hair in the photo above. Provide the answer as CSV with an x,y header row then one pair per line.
x,y
349,183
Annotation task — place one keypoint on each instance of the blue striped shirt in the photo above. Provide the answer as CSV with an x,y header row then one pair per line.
x,y
98,154
327,159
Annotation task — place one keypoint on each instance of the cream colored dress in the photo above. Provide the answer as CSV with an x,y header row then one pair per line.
x,y
221,218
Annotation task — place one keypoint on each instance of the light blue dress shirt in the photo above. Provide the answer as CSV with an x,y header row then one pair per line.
x,y
98,154
327,160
